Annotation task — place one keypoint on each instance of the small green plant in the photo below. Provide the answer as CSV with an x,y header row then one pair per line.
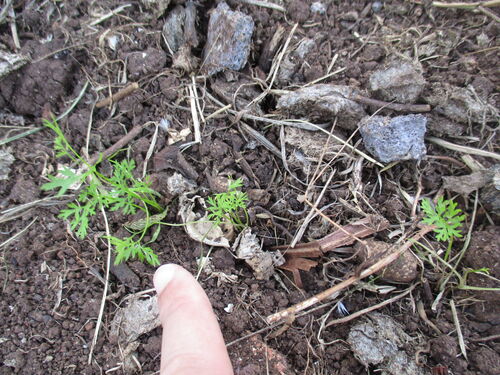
x,y
122,191
229,206
446,217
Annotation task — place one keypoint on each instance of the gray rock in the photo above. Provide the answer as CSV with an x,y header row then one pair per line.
x,y
146,62
10,62
322,103
293,60
6,160
399,81
381,342
173,29
180,27
228,40
393,139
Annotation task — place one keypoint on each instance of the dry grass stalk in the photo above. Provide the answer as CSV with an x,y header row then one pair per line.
x,y
311,215
264,4
464,149
110,14
461,342
359,313
13,28
106,285
275,68
461,5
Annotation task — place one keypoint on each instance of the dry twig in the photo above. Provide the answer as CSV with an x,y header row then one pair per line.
x,y
394,106
379,265
136,130
371,308
123,93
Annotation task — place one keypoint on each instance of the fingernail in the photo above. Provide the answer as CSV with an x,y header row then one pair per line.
x,y
163,276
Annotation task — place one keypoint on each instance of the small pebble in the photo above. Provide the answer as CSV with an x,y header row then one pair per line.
x,y
318,8
377,6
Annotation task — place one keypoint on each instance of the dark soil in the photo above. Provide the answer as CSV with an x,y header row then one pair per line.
x,y
52,282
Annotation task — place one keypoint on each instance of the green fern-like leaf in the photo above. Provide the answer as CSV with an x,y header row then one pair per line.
x,y
63,183
445,216
128,248
229,206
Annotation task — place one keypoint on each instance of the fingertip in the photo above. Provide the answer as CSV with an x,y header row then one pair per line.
x,y
163,276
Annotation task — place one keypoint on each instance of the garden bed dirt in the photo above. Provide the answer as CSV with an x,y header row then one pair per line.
x,y
81,51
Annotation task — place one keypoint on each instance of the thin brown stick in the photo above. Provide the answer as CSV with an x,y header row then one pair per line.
x,y
382,263
118,145
487,338
368,309
394,106
123,93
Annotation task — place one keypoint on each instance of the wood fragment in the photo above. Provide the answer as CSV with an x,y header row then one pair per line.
x,y
123,93
418,108
341,237
136,130
382,263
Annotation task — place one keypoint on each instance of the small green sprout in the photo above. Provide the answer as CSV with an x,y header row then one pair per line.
x,y
229,206
446,217
120,192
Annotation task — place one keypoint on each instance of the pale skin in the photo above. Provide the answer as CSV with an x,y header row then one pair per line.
x,y
192,342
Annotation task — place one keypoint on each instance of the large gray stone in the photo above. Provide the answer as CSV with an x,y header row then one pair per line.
x,y
394,139
228,40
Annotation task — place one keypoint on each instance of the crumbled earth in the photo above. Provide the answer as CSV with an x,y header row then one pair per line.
x,y
80,52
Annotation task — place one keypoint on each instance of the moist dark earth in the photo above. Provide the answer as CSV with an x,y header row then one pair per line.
x,y
52,282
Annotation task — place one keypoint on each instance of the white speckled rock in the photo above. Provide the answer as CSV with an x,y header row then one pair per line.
x,y
394,139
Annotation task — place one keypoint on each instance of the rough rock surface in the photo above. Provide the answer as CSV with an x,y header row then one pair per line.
x,y
322,103
400,81
382,342
146,62
460,104
402,270
228,41
393,139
